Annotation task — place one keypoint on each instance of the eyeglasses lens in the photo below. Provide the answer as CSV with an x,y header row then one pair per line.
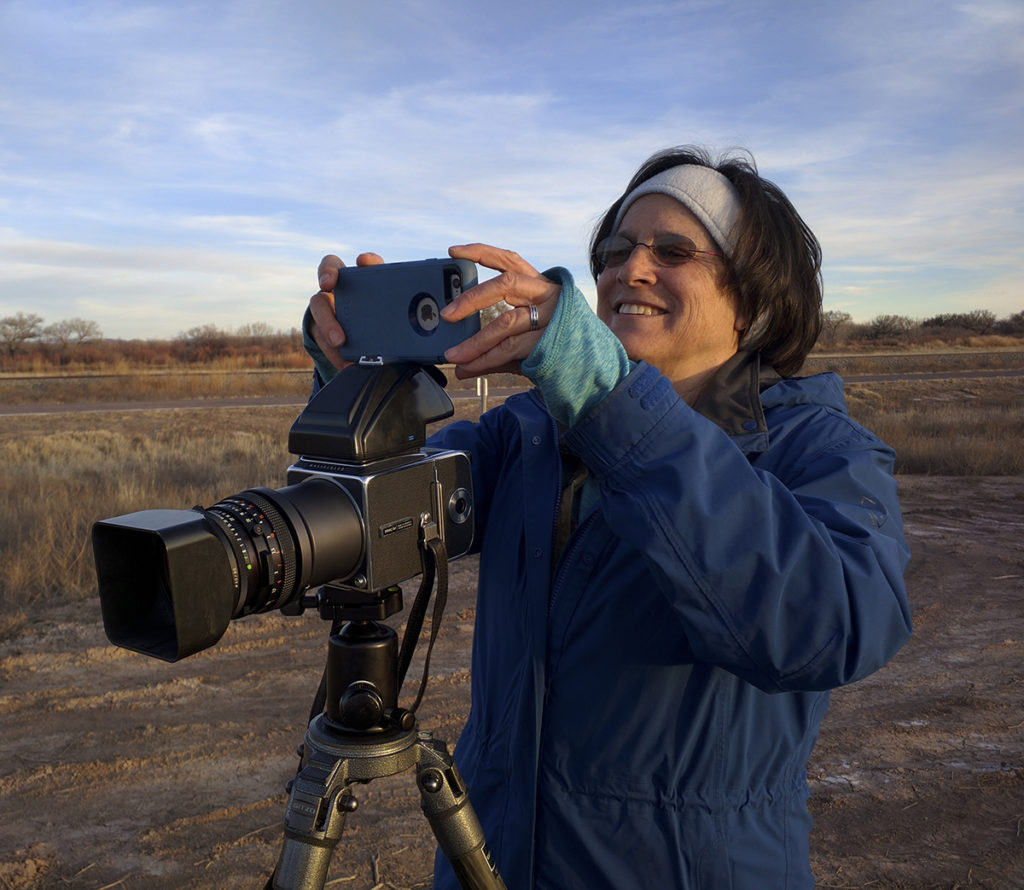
x,y
669,250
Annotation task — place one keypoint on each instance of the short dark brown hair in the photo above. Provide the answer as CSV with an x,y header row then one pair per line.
x,y
774,273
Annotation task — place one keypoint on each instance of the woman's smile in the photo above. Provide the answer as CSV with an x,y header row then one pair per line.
x,y
638,309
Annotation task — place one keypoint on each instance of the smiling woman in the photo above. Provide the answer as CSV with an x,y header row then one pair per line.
x,y
682,546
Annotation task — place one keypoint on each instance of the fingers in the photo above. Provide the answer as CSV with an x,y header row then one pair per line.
x,y
515,290
492,257
325,330
506,340
499,346
518,284
327,272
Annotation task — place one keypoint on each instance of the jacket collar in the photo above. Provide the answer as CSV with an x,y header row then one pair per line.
x,y
731,400
732,397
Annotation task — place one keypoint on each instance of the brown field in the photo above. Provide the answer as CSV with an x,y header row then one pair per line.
x,y
138,386
118,771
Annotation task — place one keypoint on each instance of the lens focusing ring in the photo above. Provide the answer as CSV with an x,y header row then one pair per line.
x,y
263,547
286,546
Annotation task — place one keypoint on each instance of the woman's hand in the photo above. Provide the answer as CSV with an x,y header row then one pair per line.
x,y
325,329
509,338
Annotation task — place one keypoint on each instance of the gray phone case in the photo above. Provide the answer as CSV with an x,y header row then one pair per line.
x,y
390,312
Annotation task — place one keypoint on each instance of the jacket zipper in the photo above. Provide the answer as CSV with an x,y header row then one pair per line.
x,y
570,549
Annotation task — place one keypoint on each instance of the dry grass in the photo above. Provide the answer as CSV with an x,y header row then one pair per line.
x,y
190,383
939,360
62,472
947,428
151,385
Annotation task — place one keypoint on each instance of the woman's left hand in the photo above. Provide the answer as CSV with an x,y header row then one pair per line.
x,y
510,337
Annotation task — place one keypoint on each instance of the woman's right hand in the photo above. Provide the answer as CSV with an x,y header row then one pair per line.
x,y
505,341
325,330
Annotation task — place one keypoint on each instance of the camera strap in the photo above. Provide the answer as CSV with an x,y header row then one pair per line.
x,y
434,556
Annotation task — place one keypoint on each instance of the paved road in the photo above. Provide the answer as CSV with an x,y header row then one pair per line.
x,y
42,408
495,393
934,375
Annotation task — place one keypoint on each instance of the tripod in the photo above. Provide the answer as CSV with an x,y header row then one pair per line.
x,y
363,735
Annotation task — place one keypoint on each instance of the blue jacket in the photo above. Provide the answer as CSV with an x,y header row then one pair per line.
x,y
643,709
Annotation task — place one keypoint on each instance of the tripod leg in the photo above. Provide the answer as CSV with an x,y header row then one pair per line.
x,y
453,820
313,823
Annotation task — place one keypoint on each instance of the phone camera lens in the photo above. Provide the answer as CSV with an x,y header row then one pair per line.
x,y
453,285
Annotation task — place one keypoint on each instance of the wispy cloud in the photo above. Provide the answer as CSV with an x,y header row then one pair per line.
x,y
184,163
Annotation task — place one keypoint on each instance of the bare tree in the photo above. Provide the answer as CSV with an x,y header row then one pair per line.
x,y
980,321
883,327
977,321
203,342
1012,324
204,335
72,330
834,323
256,333
17,330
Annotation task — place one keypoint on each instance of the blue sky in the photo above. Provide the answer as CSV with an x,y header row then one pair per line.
x,y
170,164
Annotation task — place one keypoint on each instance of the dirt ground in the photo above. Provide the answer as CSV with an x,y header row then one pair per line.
x,y
121,771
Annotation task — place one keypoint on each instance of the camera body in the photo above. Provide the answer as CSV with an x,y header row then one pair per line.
x,y
394,498
392,312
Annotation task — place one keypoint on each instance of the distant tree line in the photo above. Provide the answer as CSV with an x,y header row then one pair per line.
x,y
26,339
840,329
16,331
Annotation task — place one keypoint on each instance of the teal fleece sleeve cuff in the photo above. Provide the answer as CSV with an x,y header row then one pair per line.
x,y
578,361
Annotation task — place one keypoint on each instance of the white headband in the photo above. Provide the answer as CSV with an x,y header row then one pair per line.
x,y
705,192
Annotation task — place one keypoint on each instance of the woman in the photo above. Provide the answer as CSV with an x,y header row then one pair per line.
x,y
683,547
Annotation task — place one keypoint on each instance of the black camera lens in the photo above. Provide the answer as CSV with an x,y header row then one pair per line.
x,y
452,284
170,581
284,540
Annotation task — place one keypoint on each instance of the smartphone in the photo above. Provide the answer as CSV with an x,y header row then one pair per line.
x,y
392,312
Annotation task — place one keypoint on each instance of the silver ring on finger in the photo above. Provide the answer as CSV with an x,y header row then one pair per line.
x,y
534,317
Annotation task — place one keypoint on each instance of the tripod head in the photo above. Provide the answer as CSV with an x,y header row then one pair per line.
x,y
359,690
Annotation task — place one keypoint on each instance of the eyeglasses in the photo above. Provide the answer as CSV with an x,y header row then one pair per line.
x,y
667,250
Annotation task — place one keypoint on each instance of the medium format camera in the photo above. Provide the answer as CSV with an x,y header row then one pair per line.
x,y
359,500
